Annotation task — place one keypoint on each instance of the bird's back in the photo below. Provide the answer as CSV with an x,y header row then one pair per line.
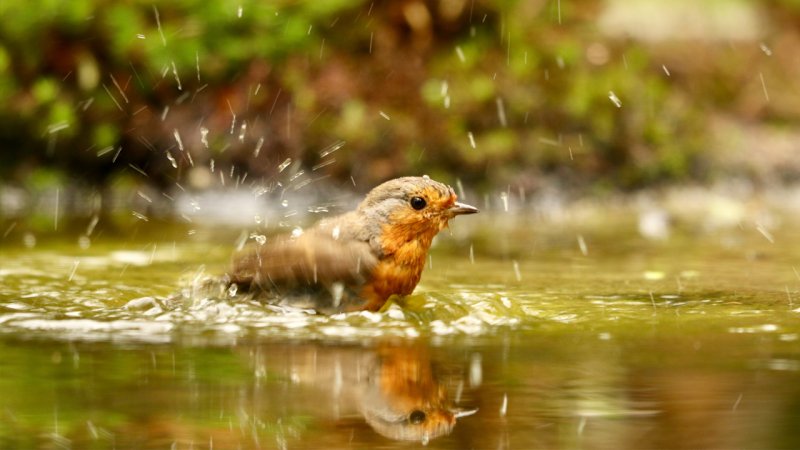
x,y
324,268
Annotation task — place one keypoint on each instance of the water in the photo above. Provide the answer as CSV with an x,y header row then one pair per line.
x,y
524,333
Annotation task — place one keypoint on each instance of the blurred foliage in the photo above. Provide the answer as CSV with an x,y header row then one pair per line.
x,y
193,93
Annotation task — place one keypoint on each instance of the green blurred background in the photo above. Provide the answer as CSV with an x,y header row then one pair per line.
x,y
584,95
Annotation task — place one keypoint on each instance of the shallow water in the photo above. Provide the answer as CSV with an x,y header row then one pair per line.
x,y
536,335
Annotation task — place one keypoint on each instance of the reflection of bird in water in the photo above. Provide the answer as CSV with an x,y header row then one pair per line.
x,y
359,259
394,387
403,400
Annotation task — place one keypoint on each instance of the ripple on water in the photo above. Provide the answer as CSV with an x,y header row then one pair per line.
x,y
49,303
192,313
88,329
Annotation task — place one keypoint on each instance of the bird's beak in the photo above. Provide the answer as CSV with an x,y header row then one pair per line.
x,y
461,208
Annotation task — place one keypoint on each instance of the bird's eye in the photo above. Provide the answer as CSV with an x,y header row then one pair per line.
x,y
418,203
416,417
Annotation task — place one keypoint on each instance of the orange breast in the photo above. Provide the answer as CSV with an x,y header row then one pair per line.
x,y
396,274
405,243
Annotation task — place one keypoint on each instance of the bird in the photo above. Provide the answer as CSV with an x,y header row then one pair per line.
x,y
355,261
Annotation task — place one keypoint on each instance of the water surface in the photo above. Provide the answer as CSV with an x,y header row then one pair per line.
x,y
522,334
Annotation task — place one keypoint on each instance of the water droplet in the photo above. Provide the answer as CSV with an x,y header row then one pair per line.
x,y
504,406
582,245
654,275
177,78
172,161
259,144
765,232
232,290
614,99
501,112
284,164
92,224
259,238
144,196
29,240
460,54
242,131
337,290
475,370
74,269
84,242
331,148
177,136
204,136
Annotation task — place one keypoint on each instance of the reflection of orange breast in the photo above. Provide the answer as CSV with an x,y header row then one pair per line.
x,y
412,405
407,376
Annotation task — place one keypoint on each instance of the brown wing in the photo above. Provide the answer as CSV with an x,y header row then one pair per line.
x,y
311,259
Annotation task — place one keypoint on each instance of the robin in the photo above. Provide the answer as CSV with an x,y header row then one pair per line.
x,y
357,260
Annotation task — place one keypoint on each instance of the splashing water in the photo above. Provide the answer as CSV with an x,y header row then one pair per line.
x,y
286,163
204,136
177,137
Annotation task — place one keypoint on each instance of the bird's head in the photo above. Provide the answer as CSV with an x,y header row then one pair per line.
x,y
412,208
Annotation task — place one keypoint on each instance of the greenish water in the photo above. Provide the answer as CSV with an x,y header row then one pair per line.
x,y
542,336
